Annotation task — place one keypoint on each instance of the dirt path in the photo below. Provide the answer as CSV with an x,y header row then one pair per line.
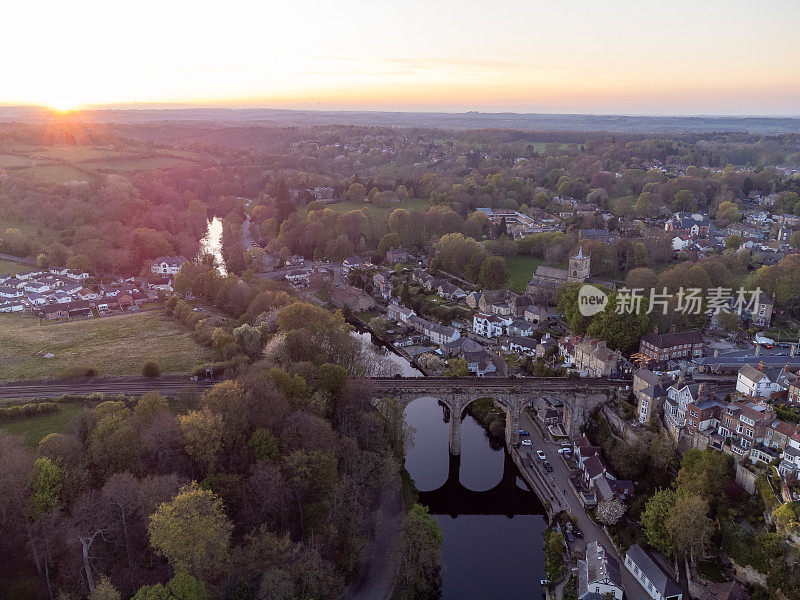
x,y
374,577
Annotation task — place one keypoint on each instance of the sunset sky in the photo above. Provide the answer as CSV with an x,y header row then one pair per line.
x,y
573,56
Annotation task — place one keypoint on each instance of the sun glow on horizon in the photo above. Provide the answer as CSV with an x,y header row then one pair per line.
x,y
621,56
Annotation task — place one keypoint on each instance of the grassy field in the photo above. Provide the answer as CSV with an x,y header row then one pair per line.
x,y
141,164
521,268
36,428
11,268
410,204
94,162
116,345
59,174
10,160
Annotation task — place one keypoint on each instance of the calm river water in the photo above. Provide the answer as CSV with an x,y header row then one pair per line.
x,y
212,244
484,556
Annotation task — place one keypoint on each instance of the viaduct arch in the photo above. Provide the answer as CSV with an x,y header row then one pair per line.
x,y
578,397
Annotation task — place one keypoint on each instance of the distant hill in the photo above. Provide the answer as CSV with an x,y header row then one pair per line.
x,y
467,120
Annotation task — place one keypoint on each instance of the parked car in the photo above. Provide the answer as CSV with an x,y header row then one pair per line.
x,y
524,432
564,450
525,442
548,467
541,455
569,536
578,533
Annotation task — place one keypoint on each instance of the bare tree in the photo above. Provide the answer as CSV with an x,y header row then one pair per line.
x,y
121,492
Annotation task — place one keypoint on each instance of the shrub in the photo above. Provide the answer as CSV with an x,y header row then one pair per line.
x,y
79,372
23,411
151,369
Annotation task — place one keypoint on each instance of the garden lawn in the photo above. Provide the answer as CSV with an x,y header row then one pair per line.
x,y
117,345
521,268
33,429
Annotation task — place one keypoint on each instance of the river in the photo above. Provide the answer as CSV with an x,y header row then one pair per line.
x,y
383,361
484,556
212,244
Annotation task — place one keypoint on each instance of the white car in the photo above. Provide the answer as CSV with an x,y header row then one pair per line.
x,y
525,442
564,450
541,455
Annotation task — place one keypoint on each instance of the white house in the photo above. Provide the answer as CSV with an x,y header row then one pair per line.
x,y
520,327
38,287
399,313
440,334
11,306
167,265
490,325
521,345
680,243
658,584
752,381
599,575
10,292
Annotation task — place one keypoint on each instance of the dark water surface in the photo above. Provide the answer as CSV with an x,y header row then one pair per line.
x,y
496,554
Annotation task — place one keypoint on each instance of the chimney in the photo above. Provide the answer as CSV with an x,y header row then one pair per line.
x,y
761,365
701,390
672,328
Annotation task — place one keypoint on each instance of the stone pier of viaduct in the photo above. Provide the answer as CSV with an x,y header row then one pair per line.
x,y
578,397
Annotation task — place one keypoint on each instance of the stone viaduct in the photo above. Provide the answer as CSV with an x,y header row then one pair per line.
x,y
579,397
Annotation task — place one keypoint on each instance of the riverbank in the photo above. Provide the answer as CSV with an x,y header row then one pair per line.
x,y
363,328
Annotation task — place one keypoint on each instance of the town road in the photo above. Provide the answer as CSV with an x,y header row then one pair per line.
x,y
566,499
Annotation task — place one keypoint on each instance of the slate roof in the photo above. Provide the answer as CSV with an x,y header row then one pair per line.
x,y
664,583
669,340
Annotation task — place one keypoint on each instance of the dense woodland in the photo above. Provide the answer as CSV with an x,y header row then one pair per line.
x,y
261,487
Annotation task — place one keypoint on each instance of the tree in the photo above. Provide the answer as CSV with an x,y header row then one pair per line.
x,y
654,520
688,526
356,192
727,213
151,370
47,482
732,242
105,590
180,587
494,272
79,262
264,445
389,241
419,553
794,239
121,492
704,473
192,532
610,511
150,405
456,367
683,201
202,436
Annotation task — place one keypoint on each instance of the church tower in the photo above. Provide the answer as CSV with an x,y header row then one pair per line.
x,y
578,267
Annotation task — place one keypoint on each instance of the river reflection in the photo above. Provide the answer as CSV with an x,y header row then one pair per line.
x,y
484,556
212,244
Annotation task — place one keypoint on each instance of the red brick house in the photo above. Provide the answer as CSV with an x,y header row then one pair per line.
x,y
671,346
